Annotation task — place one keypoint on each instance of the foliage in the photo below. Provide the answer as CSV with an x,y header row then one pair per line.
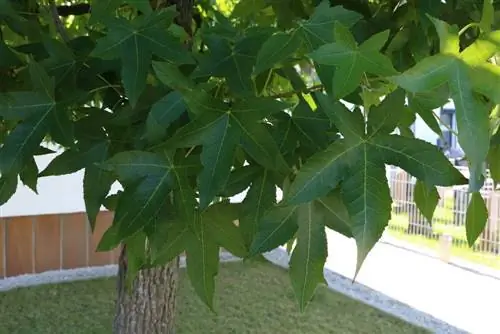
x,y
307,97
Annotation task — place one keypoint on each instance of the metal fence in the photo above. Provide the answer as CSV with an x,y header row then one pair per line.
x,y
448,223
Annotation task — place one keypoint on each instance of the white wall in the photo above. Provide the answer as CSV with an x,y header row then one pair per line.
x,y
56,194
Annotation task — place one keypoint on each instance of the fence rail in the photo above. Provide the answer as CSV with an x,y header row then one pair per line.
x,y
448,223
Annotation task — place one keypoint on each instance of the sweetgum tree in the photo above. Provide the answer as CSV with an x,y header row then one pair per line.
x,y
187,104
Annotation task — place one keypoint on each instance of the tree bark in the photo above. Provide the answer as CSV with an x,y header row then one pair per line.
x,y
149,306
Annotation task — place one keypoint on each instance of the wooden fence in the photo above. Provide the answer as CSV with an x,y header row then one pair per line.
x,y
34,244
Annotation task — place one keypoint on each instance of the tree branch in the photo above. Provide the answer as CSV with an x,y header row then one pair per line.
x,y
57,21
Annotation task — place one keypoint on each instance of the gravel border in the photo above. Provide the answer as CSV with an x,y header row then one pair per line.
x,y
279,257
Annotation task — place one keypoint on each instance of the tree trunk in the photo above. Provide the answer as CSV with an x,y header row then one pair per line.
x,y
149,306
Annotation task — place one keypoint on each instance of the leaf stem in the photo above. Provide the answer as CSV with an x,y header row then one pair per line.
x,y
467,27
444,124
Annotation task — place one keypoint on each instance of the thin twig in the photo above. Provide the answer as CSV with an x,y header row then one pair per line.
x,y
292,93
57,21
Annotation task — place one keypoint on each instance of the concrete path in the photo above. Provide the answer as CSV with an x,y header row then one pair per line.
x,y
464,299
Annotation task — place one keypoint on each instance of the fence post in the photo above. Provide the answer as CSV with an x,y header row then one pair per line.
x,y
445,244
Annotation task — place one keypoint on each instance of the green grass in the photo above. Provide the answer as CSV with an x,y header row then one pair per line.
x,y
399,224
251,298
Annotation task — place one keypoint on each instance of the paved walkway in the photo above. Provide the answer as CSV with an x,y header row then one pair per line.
x,y
464,299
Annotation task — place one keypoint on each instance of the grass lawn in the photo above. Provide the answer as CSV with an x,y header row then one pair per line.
x,y
251,298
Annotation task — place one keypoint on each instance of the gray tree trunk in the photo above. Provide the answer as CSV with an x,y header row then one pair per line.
x,y
149,307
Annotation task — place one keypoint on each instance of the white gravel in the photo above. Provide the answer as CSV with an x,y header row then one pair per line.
x,y
279,257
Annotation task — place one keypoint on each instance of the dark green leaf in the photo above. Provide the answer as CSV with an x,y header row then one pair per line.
x,y
202,262
385,117
71,161
368,201
260,197
472,123
351,61
169,241
162,114
220,219
96,186
476,217
8,187
217,159
239,180
278,48
320,174
488,17
335,215
426,198
494,162
419,158
275,228
29,175
309,255
318,29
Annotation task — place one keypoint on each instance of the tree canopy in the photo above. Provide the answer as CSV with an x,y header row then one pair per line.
x,y
313,98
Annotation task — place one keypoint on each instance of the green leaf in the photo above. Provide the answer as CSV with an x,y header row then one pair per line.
x,y
162,114
260,197
428,74
232,60
309,255
23,142
449,42
312,126
220,220
169,241
278,48
136,60
202,262
71,161
488,17
494,162
29,175
136,256
23,105
135,42
239,180
472,123
385,117
351,61
275,228
424,104
350,123
476,218
103,8
170,75
320,174
96,186
426,198
147,180
8,187
368,201
335,215
485,79
318,29
217,159
40,80
419,158
483,48
260,145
